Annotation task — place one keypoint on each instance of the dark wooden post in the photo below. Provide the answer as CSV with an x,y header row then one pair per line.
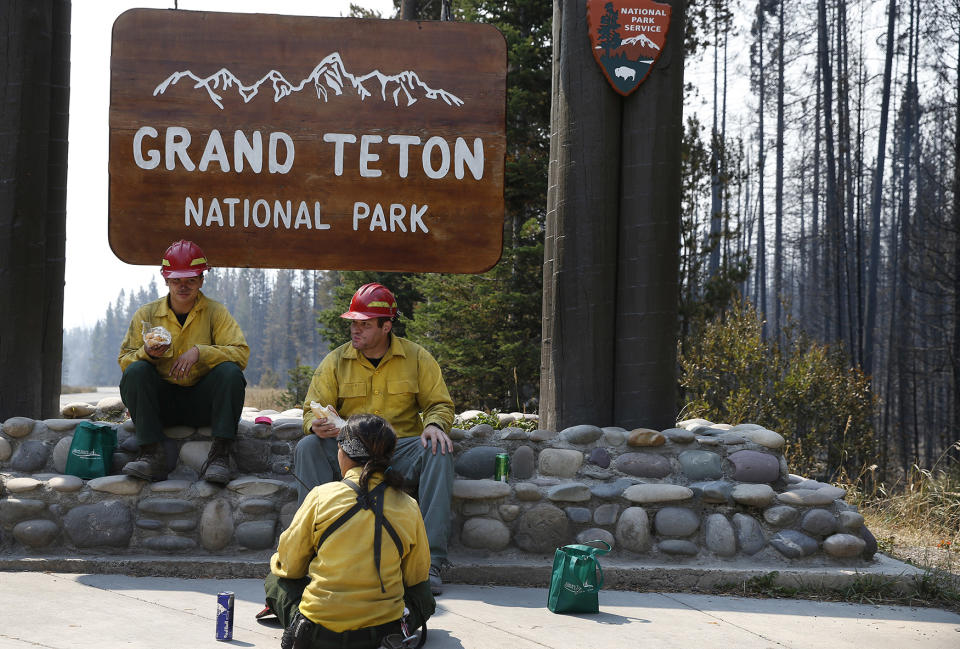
x,y
34,82
611,245
580,251
645,391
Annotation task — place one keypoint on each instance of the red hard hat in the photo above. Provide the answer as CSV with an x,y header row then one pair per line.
x,y
183,259
371,301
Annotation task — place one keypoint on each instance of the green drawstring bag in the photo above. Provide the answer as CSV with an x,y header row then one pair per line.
x,y
576,579
91,451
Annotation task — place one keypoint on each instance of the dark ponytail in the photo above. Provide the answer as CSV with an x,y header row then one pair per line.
x,y
380,441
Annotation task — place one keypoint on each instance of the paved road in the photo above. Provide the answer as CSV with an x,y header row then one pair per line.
x,y
82,611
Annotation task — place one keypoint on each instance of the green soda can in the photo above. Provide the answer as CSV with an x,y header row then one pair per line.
x,y
502,467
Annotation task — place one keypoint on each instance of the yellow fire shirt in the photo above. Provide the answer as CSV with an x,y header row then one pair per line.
x,y
209,326
344,592
406,382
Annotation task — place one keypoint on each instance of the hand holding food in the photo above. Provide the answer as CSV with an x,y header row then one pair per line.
x,y
321,411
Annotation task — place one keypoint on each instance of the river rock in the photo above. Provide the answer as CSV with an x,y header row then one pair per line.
x,y
719,536
804,497
611,489
256,506
216,525
119,485
600,457
256,535
511,433
526,492
149,524
61,452
590,536
793,544
731,439
183,525
679,547
614,435
678,435
569,492
478,462
286,514
457,434
522,464
250,486
77,410
251,455
485,534
106,524
475,508
700,465
834,493
645,437
30,456
761,437
17,427
39,533
481,431
540,435
690,424
643,465
563,463
870,548
579,515
6,450
542,528
606,514
715,491
819,522
750,535
780,515
657,493
676,521
509,513
843,546
480,489
633,530
287,429
754,495
111,406
21,485
754,466
194,454
582,434
169,486
850,521
65,483
14,510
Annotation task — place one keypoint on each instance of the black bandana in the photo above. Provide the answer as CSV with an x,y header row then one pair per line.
x,y
352,445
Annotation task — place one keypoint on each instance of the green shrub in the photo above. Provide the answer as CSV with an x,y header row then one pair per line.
x,y
800,388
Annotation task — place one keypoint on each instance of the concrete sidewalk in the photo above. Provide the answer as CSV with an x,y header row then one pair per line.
x,y
84,611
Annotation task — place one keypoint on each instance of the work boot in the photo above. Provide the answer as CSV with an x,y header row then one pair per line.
x,y
151,464
217,467
436,583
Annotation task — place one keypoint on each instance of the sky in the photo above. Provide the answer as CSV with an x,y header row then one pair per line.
x,y
94,275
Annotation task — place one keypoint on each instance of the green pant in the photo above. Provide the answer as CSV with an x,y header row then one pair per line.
x,y
216,401
283,597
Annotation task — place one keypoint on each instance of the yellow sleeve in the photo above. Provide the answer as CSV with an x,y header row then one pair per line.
x,y
229,343
323,389
433,398
415,565
298,542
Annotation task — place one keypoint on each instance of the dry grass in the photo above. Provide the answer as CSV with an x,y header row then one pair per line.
x,y
264,398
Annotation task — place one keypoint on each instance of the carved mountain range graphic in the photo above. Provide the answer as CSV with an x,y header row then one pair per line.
x,y
330,76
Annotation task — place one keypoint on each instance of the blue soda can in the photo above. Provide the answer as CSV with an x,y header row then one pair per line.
x,y
224,616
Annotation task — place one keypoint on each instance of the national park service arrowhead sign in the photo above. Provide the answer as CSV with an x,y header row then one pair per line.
x,y
627,37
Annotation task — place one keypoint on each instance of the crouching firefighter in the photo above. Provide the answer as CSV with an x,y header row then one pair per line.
x,y
352,571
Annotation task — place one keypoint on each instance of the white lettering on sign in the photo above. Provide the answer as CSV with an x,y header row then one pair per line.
x,y
437,156
257,213
176,151
378,218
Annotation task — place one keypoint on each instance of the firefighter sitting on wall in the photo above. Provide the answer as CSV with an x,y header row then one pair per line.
x,y
182,361
380,373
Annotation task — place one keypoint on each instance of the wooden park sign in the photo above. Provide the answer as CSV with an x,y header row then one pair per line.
x,y
299,142
627,37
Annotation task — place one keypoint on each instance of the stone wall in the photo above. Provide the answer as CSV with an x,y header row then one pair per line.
x,y
693,492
